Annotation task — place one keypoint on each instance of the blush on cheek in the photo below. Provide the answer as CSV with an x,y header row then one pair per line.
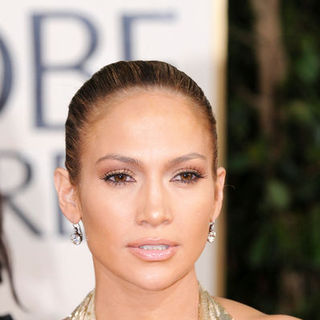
x,y
196,228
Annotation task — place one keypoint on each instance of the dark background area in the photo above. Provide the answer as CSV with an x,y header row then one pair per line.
x,y
273,186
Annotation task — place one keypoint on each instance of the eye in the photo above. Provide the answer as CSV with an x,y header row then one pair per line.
x,y
118,178
187,176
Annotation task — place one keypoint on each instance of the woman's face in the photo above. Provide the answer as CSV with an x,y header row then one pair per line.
x,y
147,191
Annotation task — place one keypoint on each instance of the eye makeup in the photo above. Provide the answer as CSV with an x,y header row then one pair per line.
x,y
124,176
118,177
188,175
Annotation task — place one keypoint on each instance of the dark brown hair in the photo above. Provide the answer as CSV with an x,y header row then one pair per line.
x,y
119,77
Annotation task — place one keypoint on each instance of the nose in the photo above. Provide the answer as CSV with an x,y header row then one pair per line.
x,y
154,209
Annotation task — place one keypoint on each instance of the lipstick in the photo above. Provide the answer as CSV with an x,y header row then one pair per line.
x,y
149,249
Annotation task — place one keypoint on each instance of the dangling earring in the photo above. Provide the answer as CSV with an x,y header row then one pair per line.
x,y
76,235
212,234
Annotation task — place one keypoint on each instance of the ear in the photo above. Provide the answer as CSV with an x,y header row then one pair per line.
x,y
218,192
67,195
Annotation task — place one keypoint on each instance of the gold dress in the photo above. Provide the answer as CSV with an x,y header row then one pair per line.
x,y
209,309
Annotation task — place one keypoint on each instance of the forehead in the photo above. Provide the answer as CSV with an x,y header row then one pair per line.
x,y
148,122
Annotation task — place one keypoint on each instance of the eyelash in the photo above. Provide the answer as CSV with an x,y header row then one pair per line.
x,y
111,174
196,176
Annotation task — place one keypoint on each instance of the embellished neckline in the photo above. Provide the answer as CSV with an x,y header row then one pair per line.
x,y
208,308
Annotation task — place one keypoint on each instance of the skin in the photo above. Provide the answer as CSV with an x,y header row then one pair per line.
x,y
167,190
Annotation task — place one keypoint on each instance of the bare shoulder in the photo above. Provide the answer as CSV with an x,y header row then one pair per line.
x,y
241,311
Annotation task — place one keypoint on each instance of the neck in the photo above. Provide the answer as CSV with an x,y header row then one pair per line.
x,y
116,299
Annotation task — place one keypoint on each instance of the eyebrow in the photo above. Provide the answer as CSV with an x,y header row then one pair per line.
x,y
138,163
187,157
118,157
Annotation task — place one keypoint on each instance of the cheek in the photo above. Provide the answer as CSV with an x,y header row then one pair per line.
x,y
106,216
193,228
194,212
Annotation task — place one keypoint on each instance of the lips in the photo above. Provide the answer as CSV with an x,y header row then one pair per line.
x,y
148,249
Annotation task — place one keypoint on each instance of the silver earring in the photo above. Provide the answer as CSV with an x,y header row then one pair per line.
x,y
212,234
76,235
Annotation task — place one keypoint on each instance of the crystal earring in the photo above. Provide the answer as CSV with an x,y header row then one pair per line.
x,y
76,235
212,234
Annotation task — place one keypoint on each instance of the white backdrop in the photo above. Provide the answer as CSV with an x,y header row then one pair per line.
x,y
47,50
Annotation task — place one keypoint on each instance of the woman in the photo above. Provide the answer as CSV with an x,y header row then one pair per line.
x,y
141,173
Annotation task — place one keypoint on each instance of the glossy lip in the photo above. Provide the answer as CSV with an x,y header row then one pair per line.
x,y
153,255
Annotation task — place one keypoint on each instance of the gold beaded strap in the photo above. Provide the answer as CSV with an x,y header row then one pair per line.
x,y
85,310
209,309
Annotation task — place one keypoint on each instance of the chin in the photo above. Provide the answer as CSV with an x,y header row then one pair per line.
x,y
156,280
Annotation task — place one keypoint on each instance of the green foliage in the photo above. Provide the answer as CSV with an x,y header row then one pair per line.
x,y
274,203
308,66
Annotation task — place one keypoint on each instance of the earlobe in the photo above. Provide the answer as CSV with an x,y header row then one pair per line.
x,y
66,195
